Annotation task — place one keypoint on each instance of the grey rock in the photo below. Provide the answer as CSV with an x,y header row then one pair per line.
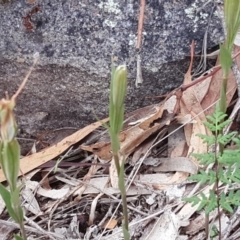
x,y
76,40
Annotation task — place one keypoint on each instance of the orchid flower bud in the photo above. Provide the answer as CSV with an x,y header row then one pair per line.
x,y
119,86
117,96
8,126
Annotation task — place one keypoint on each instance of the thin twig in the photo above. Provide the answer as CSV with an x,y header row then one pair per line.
x,y
139,78
140,24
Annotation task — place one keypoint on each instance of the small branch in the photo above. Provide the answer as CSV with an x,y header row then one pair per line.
x,y
139,78
140,24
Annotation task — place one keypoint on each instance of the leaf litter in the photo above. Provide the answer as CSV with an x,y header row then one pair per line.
x,y
70,189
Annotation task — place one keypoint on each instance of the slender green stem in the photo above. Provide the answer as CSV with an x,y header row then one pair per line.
x,y
125,210
216,185
116,112
116,161
218,200
223,100
23,232
223,109
123,191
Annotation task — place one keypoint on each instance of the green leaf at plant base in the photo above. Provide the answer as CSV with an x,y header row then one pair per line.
x,y
6,196
125,233
9,159
17,237
16,204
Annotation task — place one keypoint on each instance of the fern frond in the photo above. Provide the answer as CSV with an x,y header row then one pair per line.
x,y
207,139
216,122
212,202
205,158
203,203
222,125
225,139
193,200
204,177
234,197
224,203
207,203
237,140
229,157
234,176
225,177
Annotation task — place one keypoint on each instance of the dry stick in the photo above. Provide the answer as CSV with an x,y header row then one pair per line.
x,y
140,24
139,78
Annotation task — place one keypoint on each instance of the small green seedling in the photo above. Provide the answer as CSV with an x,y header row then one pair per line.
x,y
226,162
116,113
10,158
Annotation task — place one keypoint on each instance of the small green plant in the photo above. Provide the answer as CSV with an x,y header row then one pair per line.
x,y
232,24
9,160
226,168
116,113
226,162
10,157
